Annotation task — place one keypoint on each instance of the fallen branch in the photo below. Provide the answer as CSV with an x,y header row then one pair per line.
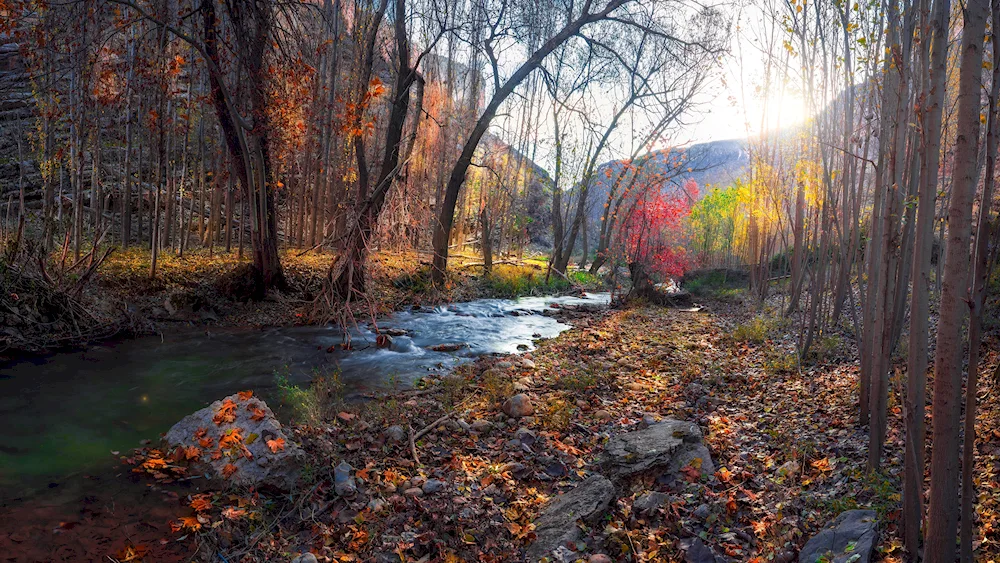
x,y
413,446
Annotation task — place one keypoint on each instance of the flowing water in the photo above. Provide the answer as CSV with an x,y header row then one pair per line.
x,y
64,417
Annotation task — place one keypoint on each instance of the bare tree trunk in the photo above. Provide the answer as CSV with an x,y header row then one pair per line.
x,y
943,510
935,36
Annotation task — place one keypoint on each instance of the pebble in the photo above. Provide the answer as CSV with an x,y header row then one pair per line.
x,y
305,558
396,434
414,492
504,365
376,505
603,415
343,482
527,364
599,558
520,387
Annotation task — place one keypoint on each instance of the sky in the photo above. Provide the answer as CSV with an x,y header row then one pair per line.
x,y
735,104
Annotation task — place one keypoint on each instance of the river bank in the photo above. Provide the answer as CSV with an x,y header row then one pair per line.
x,y
120,299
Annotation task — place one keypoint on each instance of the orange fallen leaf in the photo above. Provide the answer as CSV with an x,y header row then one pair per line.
x,y
232,438
258,413
190,523
192,452
226,413
232,513
276,445
245,395
201,503
228,470
724,475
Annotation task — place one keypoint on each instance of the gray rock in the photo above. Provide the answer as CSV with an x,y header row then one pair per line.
x,y
481,426
343,481
433,485
702,512
519,405
698,552
396,434
599,558
504,365
255,464
670,444
305,558
527,364
850,537
526,436
557,523
649,501
414,492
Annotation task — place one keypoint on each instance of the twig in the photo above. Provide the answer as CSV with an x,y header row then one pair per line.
x,y
413,447
432,425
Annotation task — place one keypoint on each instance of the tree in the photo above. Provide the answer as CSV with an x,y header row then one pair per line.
x,y
611,12
946,402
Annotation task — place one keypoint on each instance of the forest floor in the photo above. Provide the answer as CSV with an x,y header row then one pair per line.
x,y
783,436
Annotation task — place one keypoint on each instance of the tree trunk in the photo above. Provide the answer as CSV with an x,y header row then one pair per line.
x,y
943,511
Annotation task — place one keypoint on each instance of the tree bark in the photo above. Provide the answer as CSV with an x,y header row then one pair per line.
x,y
943,510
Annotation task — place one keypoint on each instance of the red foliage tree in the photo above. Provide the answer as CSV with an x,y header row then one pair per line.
x,y
654,230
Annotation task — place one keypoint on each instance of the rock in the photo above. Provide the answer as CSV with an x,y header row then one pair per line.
x,y
696,389
599,558
557,523
383,341
520,387
402,344
433,485
394,332
519,405
504,365
788,468
702,512
849,537
671,445
698,552
376,505
522,347
527,364
305,558
603,415
649,501
414,492
395,434
481,426
343,481
246,459
526,436
448,347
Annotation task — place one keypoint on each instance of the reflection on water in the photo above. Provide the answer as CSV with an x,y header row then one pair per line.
x,y
65,414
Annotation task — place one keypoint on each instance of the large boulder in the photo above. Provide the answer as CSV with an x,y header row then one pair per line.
x,y
238,440
669,445
557,523
850,537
